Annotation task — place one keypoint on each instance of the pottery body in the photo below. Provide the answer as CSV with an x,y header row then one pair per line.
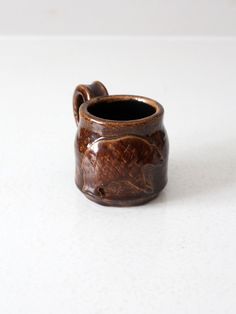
x,y
121,146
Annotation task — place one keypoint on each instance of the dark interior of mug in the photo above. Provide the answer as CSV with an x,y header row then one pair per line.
x,y
121,110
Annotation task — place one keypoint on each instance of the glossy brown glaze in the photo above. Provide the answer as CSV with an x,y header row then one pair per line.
x,y
119,162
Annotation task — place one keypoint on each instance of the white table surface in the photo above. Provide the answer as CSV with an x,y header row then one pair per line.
x,y
62,254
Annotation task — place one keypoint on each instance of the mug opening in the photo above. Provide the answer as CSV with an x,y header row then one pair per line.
x,y
121,110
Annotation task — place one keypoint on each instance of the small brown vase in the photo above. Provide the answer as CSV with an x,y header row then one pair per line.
x,y
121,146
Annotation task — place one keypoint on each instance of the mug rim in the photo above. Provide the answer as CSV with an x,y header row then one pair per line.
x,y
83,111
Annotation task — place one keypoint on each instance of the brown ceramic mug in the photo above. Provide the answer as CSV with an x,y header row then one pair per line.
x,y
121,146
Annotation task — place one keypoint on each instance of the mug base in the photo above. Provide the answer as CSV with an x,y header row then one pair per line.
x,y
119,203
124,202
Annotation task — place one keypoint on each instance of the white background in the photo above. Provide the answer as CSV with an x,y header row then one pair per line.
x,y
123,17
59,252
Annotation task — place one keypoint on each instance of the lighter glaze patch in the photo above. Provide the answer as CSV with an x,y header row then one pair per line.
x,y
120,167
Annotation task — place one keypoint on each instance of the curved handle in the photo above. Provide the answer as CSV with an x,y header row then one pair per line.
x,y
84,93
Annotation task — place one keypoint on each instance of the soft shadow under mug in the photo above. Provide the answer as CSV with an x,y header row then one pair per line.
x,y
121,146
